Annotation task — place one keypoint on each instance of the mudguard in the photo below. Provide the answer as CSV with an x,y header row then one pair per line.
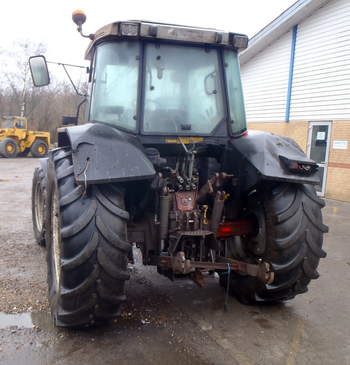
x,y
267,153
44,164
104,154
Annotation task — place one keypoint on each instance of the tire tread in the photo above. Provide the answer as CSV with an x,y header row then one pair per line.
x,y
94,253
294,236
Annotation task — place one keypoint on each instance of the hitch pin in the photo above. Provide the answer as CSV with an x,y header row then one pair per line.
x,y
227,287
84,173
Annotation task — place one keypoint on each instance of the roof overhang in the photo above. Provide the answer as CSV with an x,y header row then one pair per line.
x,y
281,25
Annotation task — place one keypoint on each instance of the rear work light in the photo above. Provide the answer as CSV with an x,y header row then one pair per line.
x,y
238,41
129,29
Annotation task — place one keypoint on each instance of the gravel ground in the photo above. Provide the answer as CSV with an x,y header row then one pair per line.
x,y
22,275
163,321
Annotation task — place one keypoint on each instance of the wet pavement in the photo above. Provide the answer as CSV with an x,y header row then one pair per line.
x,y
166,322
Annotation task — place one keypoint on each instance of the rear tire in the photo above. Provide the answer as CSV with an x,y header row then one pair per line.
x,y
87,251
39,149
9,148
294,237
39,205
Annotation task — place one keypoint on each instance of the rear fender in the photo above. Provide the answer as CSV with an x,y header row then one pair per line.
x,y
103,154
44,164
262,155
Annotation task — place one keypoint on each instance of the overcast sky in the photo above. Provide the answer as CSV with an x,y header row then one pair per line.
x,y
49,21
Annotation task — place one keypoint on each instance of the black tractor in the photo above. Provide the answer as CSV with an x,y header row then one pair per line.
x,y
165,162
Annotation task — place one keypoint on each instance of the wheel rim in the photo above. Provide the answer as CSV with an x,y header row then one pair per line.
x,y
38,202
10,148
41,150
56,240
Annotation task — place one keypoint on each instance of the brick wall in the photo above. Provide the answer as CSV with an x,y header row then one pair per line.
x,y
296,130
338,177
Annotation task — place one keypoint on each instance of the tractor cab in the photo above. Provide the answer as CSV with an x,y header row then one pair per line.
x,y
163,79
12,122
166,80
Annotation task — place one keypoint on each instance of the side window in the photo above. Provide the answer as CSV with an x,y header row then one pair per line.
x,y
19,124
234,91
114,96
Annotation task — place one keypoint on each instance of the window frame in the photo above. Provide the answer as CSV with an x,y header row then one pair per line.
x,y
94,62
223,87
231,121
140,97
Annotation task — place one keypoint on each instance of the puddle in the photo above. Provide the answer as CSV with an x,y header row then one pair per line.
x,y
39,320
20,320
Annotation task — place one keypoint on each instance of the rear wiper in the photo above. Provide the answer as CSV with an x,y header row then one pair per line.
x,y
186,127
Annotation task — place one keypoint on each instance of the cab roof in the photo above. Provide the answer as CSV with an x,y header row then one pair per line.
x,y
142,29
12,117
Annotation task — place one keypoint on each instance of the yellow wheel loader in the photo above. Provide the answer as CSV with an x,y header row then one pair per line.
x,y
17,140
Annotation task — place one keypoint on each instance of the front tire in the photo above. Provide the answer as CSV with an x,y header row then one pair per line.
x,y
293,237
87,248
9,148
39,149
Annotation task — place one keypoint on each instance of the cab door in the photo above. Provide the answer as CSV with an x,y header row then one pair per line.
x,y
318,150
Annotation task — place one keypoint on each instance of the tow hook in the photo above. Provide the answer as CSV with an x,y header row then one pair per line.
x,y
180,265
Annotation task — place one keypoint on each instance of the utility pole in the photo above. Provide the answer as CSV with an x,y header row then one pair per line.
x,y
23,104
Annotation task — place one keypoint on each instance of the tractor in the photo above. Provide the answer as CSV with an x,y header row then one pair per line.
x,y
165,163
17,140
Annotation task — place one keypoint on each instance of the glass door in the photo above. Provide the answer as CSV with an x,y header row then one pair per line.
x,y
318,150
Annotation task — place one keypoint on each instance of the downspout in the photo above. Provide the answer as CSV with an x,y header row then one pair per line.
x,y
291,71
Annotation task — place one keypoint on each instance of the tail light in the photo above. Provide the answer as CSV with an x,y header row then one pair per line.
x,y
235,228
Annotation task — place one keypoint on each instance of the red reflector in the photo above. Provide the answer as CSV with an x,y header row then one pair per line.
x,y
236,228
226,229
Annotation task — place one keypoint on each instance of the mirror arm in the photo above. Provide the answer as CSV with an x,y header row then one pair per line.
x,y
71,81
78,109
66,64
67,73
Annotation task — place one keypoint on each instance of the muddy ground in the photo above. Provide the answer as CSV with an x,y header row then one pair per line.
x,y
165,322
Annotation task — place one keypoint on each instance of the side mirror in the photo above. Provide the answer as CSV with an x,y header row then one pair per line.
x,y
66,120
39,71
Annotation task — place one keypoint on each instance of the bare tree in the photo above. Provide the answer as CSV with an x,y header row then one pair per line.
x,y
16,71
44,107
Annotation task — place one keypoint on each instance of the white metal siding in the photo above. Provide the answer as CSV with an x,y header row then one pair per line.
x,y
265,82
321,85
